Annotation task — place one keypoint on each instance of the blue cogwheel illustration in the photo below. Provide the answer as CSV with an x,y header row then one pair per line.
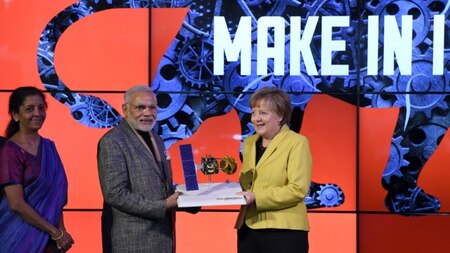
x,y
93,112
423,138
170,137
239,88
300,88
198,21
167,80
396,160
138,3
259,8
170,4
420,10
330,195
255,2
195,62
376,91
422,91
412,202
324,195
350,34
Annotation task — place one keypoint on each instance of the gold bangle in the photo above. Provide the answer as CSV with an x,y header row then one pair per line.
x,y
58,237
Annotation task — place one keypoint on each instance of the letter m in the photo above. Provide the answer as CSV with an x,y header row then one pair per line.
x,y
225,46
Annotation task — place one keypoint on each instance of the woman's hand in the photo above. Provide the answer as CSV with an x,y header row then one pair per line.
x,y
63,241
248,196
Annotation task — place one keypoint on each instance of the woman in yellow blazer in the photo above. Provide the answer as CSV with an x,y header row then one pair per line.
x,y
275,177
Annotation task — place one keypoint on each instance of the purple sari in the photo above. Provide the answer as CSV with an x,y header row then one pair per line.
x,y
47,195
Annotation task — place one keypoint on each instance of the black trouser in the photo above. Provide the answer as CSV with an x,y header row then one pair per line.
x,y
107,221
272,240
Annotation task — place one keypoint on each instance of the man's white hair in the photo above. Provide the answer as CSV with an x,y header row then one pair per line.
x,y
127,96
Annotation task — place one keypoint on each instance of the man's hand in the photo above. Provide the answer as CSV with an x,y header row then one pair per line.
x,y
171,201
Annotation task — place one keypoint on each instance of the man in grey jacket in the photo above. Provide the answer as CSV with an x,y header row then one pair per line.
x,y
136,180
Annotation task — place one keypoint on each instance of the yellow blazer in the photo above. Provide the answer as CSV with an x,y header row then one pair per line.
x,y
280,182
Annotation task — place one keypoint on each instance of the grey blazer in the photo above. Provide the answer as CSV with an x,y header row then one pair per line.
x,y
135,187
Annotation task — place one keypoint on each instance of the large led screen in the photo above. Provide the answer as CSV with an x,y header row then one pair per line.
x,y
369,83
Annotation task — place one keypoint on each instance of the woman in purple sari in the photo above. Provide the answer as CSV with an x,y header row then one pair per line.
x,y
32,181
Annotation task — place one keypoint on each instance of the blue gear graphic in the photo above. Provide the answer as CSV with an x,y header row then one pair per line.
x,y
396,160
330,195
414,201
324,195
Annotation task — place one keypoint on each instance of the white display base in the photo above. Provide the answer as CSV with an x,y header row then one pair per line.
x,y
211,194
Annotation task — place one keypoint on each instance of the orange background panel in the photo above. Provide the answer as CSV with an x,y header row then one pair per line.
x,y
21,25
77,146
4,116
332,232
110,56
330,125
85,228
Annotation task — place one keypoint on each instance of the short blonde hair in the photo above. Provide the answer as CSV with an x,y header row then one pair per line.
x,y
278,100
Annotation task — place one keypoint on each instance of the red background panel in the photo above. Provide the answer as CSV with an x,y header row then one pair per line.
x,y
393,233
